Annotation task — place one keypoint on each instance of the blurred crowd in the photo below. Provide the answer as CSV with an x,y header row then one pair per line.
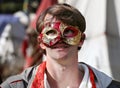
x,y
18,39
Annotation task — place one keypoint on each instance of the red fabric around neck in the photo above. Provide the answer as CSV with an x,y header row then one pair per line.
x,y
38,81
92,77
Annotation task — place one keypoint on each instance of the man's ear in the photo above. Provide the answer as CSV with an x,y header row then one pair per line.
x,y
38,39
83,36
42,46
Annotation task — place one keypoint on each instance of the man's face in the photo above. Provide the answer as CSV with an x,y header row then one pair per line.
x,y
59,39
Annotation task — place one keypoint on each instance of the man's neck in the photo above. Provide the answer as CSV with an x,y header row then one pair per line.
x,y
63,76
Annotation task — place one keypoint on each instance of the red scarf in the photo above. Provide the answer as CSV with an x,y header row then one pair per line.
x,y
38,81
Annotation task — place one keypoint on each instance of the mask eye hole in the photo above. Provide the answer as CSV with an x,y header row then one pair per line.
x,y
70,32
51,32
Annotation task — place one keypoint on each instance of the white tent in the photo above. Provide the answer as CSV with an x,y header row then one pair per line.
x,y
101,48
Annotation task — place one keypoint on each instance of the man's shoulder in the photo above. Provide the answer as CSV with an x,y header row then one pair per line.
x,y
114,84
12,81
19,81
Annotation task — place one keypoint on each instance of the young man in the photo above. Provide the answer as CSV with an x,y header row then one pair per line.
x,y
61,34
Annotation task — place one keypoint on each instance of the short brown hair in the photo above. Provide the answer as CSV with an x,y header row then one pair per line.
x,y
66,14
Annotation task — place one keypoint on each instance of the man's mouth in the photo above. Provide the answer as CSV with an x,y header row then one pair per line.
x,y
60,45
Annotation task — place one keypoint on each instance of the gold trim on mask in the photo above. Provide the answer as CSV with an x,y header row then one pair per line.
x,y
55,31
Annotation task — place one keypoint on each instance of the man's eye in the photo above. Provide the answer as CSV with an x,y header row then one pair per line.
x,y
51,32
68,33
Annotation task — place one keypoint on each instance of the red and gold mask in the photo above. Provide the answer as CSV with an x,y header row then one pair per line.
x,y
53,32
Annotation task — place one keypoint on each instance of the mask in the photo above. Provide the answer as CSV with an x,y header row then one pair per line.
x,y
53,32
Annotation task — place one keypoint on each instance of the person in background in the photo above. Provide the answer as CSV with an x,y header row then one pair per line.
x,y
12,33
61,35
31,51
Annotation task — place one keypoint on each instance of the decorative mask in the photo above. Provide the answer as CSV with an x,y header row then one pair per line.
x,y
53,32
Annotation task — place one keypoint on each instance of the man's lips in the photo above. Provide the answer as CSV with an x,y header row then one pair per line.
x,y
60,45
